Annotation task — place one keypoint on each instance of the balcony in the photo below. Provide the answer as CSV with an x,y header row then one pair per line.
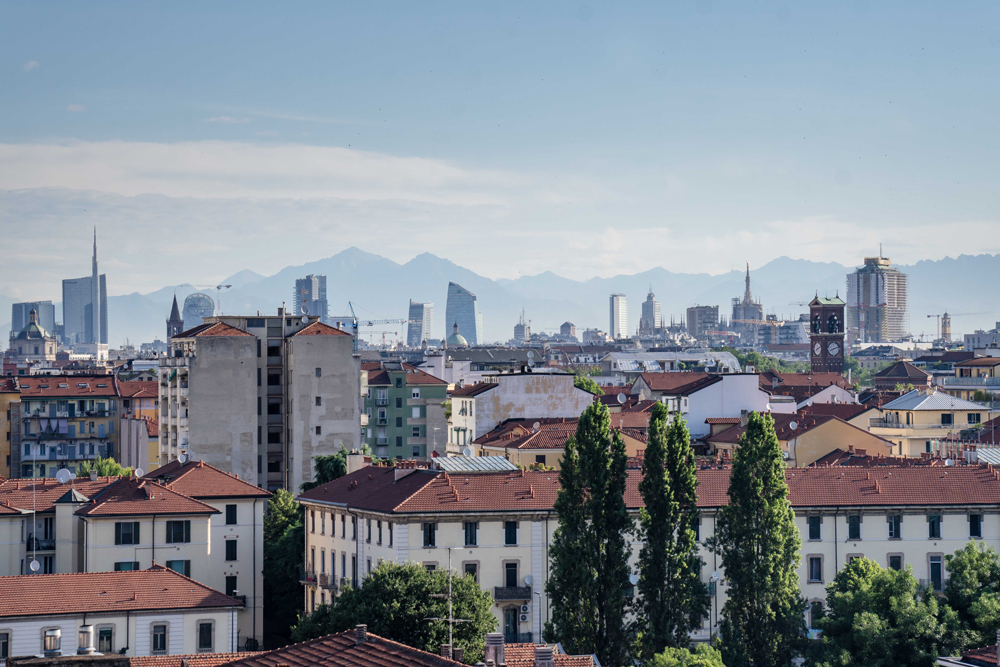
x,y
307,576
382,441
275,419
981,381
511,593
381,401
381,421
242,600
183,422
328,582
42,544
882,423
274,389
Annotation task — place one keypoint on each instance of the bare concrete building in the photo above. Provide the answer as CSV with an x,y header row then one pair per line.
x,y
260,396
701,320
877,302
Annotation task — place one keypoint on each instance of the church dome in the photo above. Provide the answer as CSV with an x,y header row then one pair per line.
x,y
456,339
34,330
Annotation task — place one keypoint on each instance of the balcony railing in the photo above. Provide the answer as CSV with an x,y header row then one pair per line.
x,y
242,599
40,544
512,592
981,381
381,421
328,582
306,576
382,441
882,423
381,401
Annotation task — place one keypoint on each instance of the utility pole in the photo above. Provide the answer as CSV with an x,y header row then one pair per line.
x,y
451,620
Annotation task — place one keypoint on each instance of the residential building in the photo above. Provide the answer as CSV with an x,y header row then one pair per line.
x,y
784,335
33,343
10,403
982,339
260,396
85,307
175,323
499,526
808,388
526,394
461,309
310,297
404,407
917,422
462,424
626,365
138,613
531,441
567,329
140,398
618,323
651,320
522,330
877,302
65,420
980,374
197,307
701,320
421,325
20,315
902,373
747,313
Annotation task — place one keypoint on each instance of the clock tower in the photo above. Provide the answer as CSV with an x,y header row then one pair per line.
x,y
826,335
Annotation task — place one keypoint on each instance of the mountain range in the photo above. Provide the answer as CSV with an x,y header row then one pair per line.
x,y
380,288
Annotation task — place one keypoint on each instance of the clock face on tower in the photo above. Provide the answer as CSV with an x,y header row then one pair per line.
x,y
833,348
817,348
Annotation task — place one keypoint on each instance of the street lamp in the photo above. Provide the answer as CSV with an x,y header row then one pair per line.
x,y
715,597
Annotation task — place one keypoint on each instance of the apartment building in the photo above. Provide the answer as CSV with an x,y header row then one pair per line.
x,y
981,374
191,517
524,394
404,407
530,442
497,527
919,420
10,403
137,613
260,396
65,420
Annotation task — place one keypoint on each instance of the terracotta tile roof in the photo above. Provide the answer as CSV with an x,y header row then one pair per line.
x,y
722,420
523,655
845,411
839,457
472,389
820,380
139,389
631,419
371,365
133,497
88,386
106,592
8,386
216,329
152,428
18,493
875,398
639,434
678,383
904,370
317,328
980,361
190,660
949,357
782,427
342,650
413,375
198,479
984,656
641,406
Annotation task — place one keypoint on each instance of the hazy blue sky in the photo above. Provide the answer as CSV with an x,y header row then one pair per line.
x,y
513,138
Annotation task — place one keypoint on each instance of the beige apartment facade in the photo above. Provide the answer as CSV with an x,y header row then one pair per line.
x,y
918,421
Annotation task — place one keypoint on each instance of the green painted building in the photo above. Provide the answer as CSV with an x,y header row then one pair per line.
x,y
405,412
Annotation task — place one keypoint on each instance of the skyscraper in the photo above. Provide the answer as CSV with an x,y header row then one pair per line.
x,y
421,326
310,297
20,312
522,330
85,306
461,310
619,316
876,302
651,319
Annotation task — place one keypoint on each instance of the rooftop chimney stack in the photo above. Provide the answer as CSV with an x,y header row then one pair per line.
x,y
86,640
360,634
543,656
445,651
494,647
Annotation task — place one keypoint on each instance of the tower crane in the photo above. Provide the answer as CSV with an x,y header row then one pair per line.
x,y
938,328
355,323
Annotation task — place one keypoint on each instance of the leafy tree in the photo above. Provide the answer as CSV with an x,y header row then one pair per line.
x,y
590,552
763,364
672,597
282,513
702,655
447,409
588,385
903,387
329,467
973,590
284,540
395,601
877,617
762,621
105,468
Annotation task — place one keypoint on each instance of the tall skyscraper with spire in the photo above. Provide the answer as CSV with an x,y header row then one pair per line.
x,y
85,306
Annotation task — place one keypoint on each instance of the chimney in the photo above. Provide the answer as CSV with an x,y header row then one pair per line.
x,y
86,640
93,474
52,642
360,634
744,418
494,648
456,653
543,656
445,651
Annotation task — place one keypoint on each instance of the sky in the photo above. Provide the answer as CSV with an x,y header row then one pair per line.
x,y
512,138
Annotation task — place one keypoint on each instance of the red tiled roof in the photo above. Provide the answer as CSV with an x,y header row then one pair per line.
x,y
984,656
722,420
317,328
820,380
8,386
198,479
152,428
472,389
190,660
641,406
216,329
523,655
980,361
906,370
845,411
678,382
875,398
105,592
68,385
133,497
371,365
413,375
839,457
342,650
782,428
631,419
19,493
139,389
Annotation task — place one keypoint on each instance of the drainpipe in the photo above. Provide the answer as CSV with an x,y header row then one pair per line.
x,y
836,511
153,537
255,570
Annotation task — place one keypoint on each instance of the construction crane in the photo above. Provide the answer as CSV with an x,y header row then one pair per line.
x,y
218,294
798,303
763,323
937,329
355,323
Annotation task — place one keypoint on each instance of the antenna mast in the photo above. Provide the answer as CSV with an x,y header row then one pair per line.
x,y
451,620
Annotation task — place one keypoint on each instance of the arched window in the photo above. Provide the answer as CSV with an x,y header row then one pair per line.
x,y
834,324
817,324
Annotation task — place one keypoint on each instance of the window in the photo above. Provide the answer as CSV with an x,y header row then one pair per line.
x,y
368,527
127,532
205,636
230,515
354,527
415,393
127,566
274,379
319,372
322,522
815,569
815,612
105,641
319,430
399,401
343,525
471,533
936,573
815,527
159,639
258,376
975,525
390,534
415,412
230,549
697,530
416,450
178,532
895,526
510,575
430,567
510,533
274,466
399,382
181,566
540,458
973,418
319,400
934,526
416,432
430,530
854,527
231,585
896,562
399,422
369,566
312,521
947,419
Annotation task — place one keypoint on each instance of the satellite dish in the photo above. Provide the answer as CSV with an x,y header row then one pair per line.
x,y
528,579
784,455
622,398
531,355
72,475
535,427
182,458
949,462
715,576
467,452
34,565
139,472
793,425
62,476
305,319
633,579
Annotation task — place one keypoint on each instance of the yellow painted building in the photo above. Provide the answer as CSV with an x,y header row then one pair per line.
x,y
9,393
981,374
917,421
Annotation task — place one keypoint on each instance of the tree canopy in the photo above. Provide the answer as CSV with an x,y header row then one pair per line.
x,y
973,590
587,384
284,546
701,655
105,468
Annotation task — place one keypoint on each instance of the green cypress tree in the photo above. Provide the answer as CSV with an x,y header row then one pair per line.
x,y
756,538
673,599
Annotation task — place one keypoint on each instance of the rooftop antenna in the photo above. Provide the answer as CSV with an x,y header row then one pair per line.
x,y
451,621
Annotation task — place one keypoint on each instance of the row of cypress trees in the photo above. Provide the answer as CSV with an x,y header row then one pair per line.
x,y
590,592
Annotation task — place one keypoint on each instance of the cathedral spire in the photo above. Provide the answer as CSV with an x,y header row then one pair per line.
x,y
747,298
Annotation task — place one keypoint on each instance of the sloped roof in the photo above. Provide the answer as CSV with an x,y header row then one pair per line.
x,y
816,380
152,428
134,497
106,592
89,386
198,479
139,389
317,328
980,361
827,301
678,382
472,389
903,370
414,376
523,655
190,660
463,464
845,411
931,400
18,494
213,329
984,656
343,650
